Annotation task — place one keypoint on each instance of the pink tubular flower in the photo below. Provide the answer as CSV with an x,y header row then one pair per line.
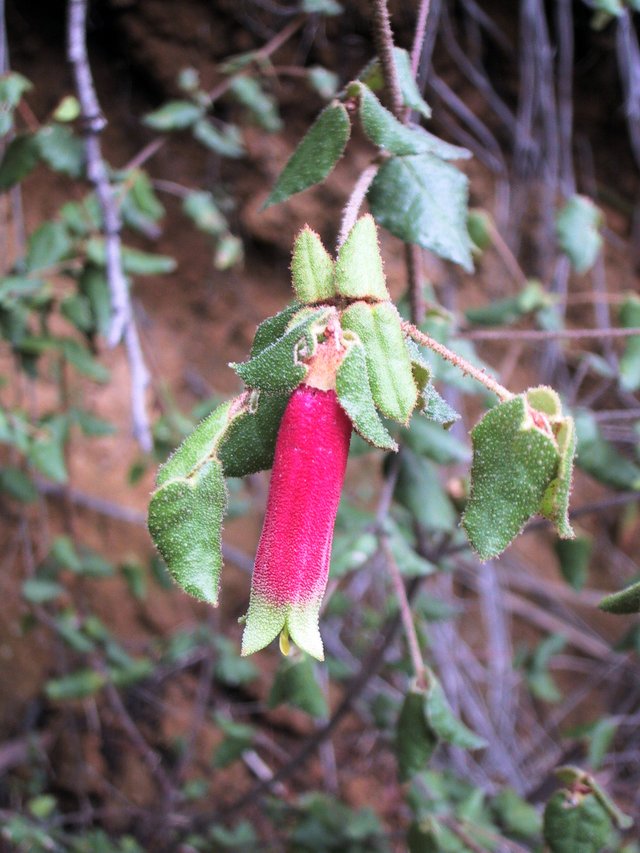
x,y
292,561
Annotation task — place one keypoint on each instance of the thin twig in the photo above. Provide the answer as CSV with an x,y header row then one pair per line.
x,y
421,672
462,364
546,335
419,36
122,321
353,205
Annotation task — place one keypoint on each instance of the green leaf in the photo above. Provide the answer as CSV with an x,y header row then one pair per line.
x,y
64,554
630,358
41,590
502,312
140,207
174,115
325,82
185,522
354,393
249,442
230,668
555,501
418,489
443,721
385,131
273,328
229,252
76,308
17,485
623,602
61,150
514,462
421,199
20,157
12,88
415,739
80,357
295,684
262,106
78,685
43,806
516,815
93,284
578,230
279,368
316,154
311,268
481,228
372,76
91,425
47,452
225,141
322,7
48,245
359,272
237,738
68,109
201,208
430,439
378,328
134,262
599,458
574,556
576,822
435,408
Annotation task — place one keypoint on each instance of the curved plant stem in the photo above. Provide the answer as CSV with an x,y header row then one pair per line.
x,y
461,363
421,671
353,205
384,47
122,321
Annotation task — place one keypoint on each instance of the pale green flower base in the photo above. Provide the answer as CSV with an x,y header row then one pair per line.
x,y
265,621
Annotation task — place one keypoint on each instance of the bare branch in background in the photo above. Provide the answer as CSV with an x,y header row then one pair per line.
x,y
122,320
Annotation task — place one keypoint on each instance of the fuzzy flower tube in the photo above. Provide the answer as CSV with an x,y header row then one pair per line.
x,y
292,560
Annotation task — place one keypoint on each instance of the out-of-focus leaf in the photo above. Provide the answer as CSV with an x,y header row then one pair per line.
x,y
202,209
578,229
444,722
295,684
630,358
134,261
225,141
316,154
41,590
17,485
61,149
599,457
421,199
78,685
68,109
229,252
174,115
20,157
415,740
574,556
262,106
325,82
418,489
322,7
48,245
573,823
516,815
625,601
502,312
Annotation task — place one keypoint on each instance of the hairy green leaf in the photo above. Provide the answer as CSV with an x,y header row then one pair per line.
x,y
385,131
279,367
443,721
514,462
372,76
249,442
421,199
311,268
625,601
354,393
359,272
316,155
378,327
